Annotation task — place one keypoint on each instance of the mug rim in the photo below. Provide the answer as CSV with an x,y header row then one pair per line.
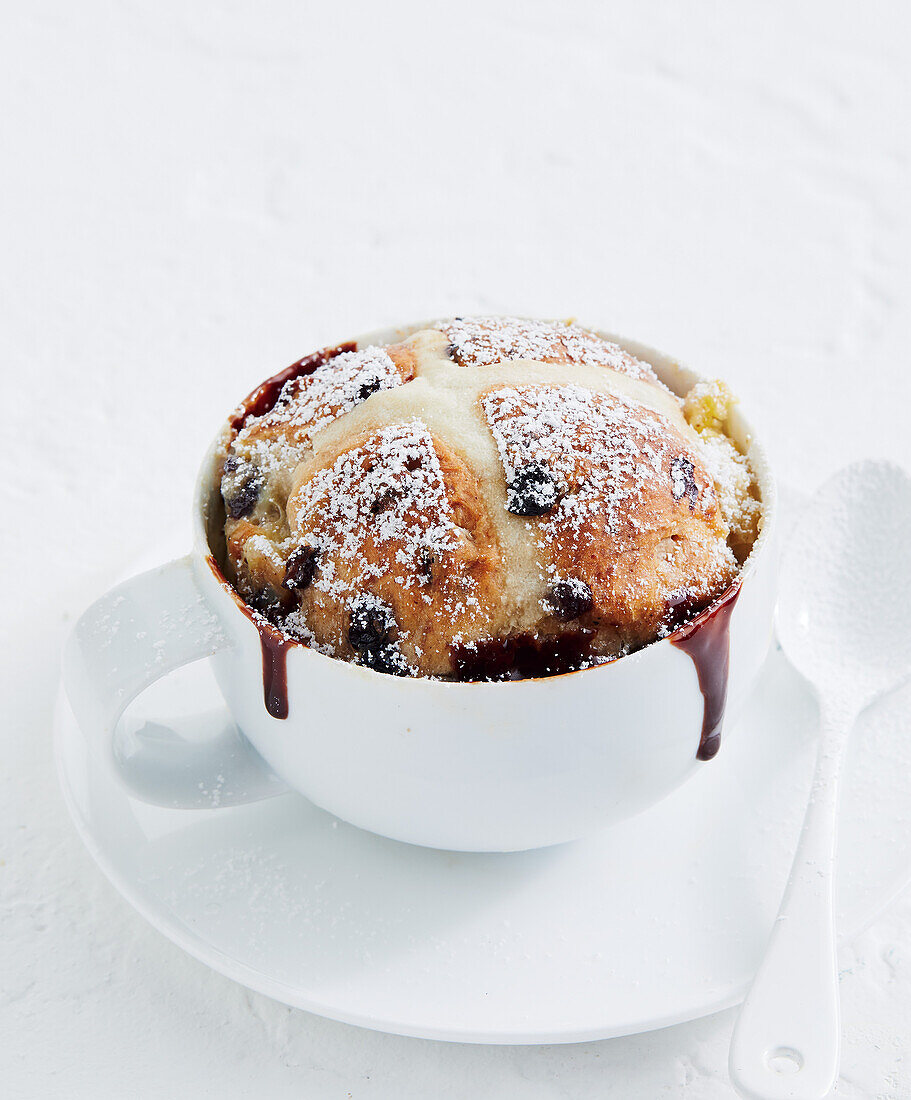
x,y
669,371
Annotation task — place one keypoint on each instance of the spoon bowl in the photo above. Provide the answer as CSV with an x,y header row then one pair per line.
x,y
844,611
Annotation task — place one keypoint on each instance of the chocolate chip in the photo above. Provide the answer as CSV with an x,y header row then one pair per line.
x,y
242,500
382,502
683,481
428,560
369,388
267,602
369,625
240,486
567,600
452,351
301,568
533,491
387,659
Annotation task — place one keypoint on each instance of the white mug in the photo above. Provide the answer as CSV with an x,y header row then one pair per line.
x,y
465,766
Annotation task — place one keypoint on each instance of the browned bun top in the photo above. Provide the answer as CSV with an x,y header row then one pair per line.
x,y
397,523
547,509
484,341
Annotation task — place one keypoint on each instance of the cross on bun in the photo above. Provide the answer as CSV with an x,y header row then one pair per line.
x,y
490,498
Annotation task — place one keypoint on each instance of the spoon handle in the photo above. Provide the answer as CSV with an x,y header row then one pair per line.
x,y
786,1040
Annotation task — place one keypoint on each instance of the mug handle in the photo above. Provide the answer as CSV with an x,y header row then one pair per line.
x,y
129,638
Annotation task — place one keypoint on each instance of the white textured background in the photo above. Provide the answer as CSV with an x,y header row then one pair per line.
x,y
195,194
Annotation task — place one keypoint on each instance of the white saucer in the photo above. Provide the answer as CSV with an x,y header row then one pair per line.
x,y
656,921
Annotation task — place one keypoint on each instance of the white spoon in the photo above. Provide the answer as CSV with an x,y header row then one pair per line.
x,y
844,621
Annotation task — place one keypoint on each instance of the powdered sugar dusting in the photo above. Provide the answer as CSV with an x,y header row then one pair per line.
x,y
381,512
483,341
311,402
609,521
603,455
561,427
734,482
679,482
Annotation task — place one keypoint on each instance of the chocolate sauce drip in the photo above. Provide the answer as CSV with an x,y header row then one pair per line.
x,y
521,657
263,398
275,646
524,656
275,669
680,608
706,640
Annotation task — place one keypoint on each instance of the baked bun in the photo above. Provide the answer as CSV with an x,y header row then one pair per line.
x,y
490,498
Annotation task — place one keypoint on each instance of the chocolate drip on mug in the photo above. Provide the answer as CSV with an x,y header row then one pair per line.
x,y
275,669
274,643
275,646
706,639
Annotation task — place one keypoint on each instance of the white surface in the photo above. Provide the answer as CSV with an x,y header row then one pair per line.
x,y
194,195
660,919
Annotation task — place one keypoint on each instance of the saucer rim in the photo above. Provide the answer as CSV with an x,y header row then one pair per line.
x,y
198,947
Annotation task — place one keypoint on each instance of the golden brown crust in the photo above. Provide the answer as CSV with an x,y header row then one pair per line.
x,y
311,402
414,528
481,341
267,449
396,522
405,360
619,503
